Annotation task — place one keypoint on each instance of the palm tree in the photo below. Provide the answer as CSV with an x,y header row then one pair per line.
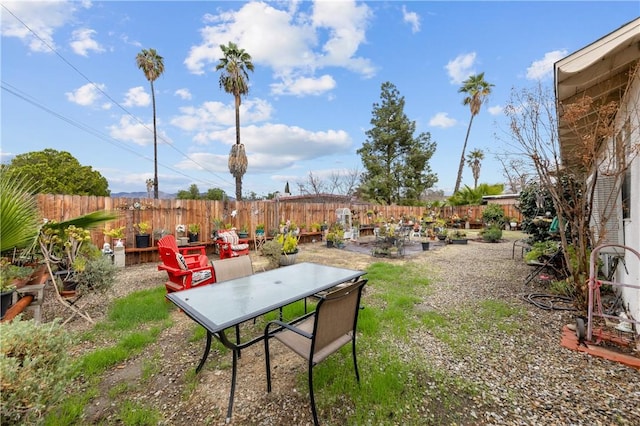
x,y
234,79
473,160
477,90
152,65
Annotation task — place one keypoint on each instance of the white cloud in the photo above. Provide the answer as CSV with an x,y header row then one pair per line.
x,y
184,94
543,68
461,67
213,116
86,95
304,86
128,129
42,17
137,96
443,120
496,110
293,43
272,147
411,18
82,42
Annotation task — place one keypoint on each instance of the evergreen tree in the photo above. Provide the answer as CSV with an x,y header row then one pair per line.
x,y
396,164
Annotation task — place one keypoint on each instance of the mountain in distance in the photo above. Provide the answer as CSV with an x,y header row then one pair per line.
x,y
141,194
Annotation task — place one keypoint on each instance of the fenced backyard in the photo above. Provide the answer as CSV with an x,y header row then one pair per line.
x,y
165,214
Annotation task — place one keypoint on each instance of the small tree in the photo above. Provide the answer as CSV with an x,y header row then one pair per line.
x,y
603,150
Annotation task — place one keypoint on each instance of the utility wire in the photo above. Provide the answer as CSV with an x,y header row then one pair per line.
x,y
98,88
16,92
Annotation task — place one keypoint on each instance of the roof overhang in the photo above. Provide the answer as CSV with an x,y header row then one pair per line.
x,y
600,71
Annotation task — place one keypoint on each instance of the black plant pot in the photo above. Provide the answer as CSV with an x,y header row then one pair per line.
x,y
6,300
329,243
142,240
193,238
425,246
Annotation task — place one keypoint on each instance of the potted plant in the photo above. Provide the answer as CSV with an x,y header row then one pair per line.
x,y
513,222
330,237
260,229
69,253
458,237
10,276
116,235
289,244
335,238
181,234
142,236
243,232
194,230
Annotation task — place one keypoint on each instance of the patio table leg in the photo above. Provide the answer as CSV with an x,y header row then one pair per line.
x,y
207,348
234,369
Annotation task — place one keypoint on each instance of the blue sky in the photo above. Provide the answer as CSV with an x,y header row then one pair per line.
x,y
318,70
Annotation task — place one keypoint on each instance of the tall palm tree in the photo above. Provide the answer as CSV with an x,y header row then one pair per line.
x,y
473,160
477,90
234,79
152,65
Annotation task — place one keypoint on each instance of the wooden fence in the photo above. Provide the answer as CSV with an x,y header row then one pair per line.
x,y
165,214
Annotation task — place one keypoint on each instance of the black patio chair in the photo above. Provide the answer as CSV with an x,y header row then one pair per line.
x,y
319,334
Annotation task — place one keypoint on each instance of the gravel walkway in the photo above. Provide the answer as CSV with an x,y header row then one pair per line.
x,y
530,379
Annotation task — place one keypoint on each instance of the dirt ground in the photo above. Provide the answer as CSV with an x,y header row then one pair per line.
x,y
202,400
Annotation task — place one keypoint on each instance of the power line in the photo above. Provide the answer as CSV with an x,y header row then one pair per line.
x,y
127,112
30,99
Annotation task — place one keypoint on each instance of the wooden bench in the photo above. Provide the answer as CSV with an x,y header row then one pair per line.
x,y
308,237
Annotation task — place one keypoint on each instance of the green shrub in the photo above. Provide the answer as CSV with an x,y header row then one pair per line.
x,y
99,274
272,250
540,250
493,215
492,234
35,369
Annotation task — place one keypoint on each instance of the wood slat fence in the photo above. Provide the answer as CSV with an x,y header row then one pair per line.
x,y
165,214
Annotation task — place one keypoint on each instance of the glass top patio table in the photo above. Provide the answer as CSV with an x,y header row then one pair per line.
x,y
222,305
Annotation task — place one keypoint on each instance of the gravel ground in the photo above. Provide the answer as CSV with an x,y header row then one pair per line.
x,y
529,378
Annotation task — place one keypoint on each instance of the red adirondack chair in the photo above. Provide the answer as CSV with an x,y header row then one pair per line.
x,y
185,268
230,245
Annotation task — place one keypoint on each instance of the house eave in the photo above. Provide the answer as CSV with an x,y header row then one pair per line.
x,y
600,71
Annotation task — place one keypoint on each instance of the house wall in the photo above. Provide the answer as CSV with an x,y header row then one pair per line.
x,y
631,226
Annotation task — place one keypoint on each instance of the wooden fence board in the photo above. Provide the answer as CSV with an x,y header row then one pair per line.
x,y
165,214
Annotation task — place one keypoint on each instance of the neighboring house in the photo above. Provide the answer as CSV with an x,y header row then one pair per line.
x,y
607,70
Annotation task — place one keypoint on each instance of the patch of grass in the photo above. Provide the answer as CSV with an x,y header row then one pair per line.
x,y
69,411
134,322
119,389
151,366
134,414
139,308
457,328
